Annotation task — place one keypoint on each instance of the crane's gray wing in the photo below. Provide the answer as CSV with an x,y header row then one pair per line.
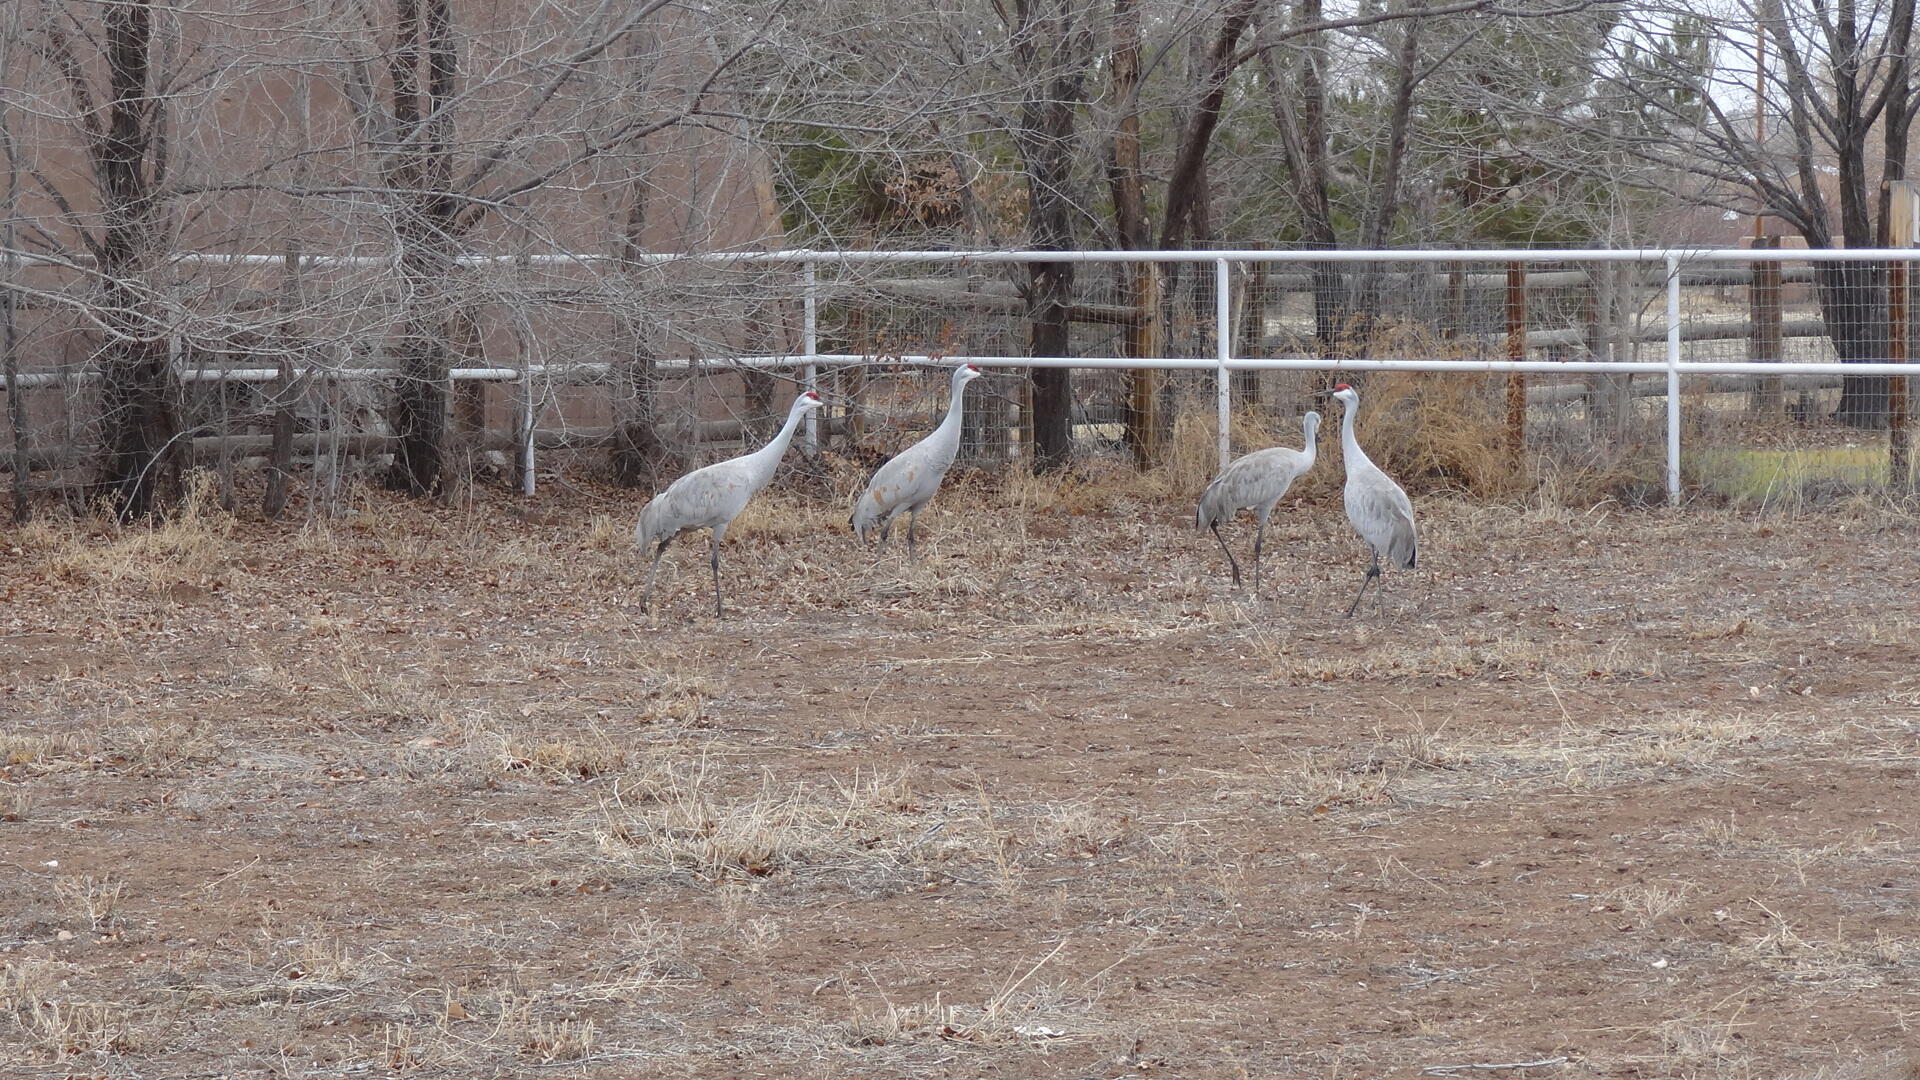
x,y
1383,516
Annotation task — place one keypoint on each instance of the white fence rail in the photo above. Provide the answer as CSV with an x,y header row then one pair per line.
x,y
1672,264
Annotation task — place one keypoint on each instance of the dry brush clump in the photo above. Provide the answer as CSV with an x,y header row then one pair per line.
x,y
1035,1008
186,549
161,746
50,1023
686,820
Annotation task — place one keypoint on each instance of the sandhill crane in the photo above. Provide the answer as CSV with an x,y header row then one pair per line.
x,y
909,481
1381,513
1255,482
711,497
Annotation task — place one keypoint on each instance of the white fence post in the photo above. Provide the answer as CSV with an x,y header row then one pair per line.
x,y
810,345
1223,335
1673,380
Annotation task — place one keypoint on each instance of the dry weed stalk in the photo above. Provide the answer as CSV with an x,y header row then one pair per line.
x,y
1022,1013
53,1026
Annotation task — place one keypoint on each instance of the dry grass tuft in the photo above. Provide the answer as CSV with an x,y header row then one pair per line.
x,y
94,899
1025,1012
1835,960
43,752
1034,1018
565,760
186,548
51,1026
684,820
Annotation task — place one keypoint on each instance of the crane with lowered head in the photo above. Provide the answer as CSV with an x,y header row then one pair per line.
x,y
905,484
711,497
1256,482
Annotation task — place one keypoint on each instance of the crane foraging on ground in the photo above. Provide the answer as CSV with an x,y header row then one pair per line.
x,y
907,483
711,497
1380,511
1256,482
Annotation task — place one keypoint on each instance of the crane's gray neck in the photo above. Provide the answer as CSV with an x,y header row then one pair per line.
x,y
1349,445
954,406
1313,439
949,429
769,455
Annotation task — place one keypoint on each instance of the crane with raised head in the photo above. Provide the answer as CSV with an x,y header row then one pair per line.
x,y
1256,482
909,481
1380,511
711,497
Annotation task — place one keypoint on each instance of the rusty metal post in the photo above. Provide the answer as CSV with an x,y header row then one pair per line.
x,y
1516,350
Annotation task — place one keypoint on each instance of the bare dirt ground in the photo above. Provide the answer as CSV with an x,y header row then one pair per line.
x,y
421,791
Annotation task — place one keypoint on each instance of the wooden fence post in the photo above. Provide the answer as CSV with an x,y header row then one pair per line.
x,y
1516,350
1903,230
1146,426
1765,342
1899,448
1253,309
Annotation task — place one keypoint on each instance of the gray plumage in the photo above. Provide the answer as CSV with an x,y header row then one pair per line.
x,y
909,481
1380,511
710,498
1256,482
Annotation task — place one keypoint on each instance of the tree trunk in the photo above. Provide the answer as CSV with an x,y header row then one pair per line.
x,y
1386,206
639,455
1050,289
9,328
420,413
426,230
1853,300
1299,108
1044,136
1146,429
140,391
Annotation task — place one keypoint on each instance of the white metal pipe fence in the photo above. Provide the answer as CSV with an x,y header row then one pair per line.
x,y
808,361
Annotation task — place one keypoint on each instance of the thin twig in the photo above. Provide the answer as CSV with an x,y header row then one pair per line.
x,y
216,882
1490,1066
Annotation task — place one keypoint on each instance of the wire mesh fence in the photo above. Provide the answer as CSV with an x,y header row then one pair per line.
x,y
680,360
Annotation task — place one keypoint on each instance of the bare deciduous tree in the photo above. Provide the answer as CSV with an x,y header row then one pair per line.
x,y
1839,75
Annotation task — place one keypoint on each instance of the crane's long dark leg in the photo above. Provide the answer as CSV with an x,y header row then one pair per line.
x,y
660,548
913,522
1231,562
1259,539
713,560
1373,571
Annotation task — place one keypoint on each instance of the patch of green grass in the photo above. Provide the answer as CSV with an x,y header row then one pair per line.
x,y
1769,474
